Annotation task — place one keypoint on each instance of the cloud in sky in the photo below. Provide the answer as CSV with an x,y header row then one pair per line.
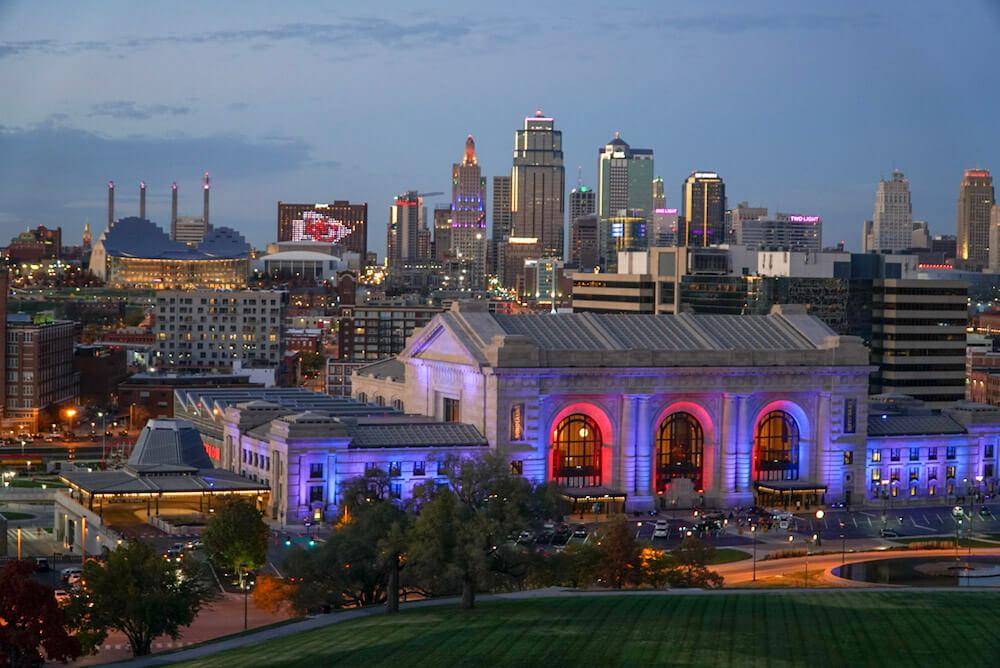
x,y
128,110
731,23
56,175
351,32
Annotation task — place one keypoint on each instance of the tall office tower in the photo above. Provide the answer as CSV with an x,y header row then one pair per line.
x,y
501,222
442,231
739,213
3,337
867,237
703,198
407,223
624,190
892,220
994,258
582,202
583,247
659,194
918,338
142,199
468,208
538,186
975,200
88,237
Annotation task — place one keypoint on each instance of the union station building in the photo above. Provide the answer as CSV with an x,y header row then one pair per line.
x,y
632,412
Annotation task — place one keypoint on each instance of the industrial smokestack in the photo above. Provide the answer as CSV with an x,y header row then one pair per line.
x,y
111,203
206,200
173,210
142,199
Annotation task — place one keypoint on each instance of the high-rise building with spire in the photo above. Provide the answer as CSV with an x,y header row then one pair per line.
x,y
538,187
975,201
892,219
408,234
468,212
659,194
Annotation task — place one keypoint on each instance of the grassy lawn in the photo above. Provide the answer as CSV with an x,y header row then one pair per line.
x,y
727,555
24,482
830,628
964,542
13,515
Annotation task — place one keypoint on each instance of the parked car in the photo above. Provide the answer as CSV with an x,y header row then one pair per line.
x,y
174,554
661,530
580,531
985,513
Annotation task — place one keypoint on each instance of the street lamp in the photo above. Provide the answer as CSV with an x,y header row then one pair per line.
x,y
753,534
819,527
246,591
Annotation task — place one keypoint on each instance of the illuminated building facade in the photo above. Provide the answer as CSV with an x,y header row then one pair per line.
x,y
339,222
135,253
975,202
538,186
892,219
468,213
634,412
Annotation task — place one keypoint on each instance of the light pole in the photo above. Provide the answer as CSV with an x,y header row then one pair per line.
x,y
246,591
843,546
819,526
753,534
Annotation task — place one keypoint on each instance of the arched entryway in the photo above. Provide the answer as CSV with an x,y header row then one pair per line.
x,y
776,447
576,456
680,450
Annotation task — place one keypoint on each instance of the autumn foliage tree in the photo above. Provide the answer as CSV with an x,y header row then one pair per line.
x,y
273,594
32,625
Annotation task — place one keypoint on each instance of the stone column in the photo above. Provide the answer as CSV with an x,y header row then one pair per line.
x,y
821,438
643,486
623,456
744,448
727,448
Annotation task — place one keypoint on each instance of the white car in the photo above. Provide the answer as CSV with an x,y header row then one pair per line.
x,y
958,512
660,532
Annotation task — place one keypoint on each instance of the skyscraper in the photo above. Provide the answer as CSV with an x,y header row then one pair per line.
x,y
468,208
624,191
892,220
407,226
994,259
975,200
501,222
582,202
659,194
704,216
442,231
538,185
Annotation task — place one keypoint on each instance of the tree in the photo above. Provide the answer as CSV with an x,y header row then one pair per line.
x,y
274,594
620,564
311,362
236,535
689,568
365,489
136,591
349,569
31,622
458,538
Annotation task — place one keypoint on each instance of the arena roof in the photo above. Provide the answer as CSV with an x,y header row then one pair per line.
x,y
140,238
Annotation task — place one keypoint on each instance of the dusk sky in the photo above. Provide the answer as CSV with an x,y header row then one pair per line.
x,y
800,107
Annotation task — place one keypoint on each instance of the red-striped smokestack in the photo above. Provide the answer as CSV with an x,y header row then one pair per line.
x,y
142,199
173,210
111,203
206,200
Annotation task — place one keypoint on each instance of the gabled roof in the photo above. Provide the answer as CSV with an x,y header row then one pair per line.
x,y
419,434
170,444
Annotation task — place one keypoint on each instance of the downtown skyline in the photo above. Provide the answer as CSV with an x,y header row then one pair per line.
x,y
276,111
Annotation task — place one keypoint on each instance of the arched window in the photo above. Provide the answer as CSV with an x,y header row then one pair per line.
x,y
680,447
379,400
776,447
576,444
397,404
362,397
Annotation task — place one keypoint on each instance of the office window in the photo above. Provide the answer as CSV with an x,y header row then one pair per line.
x,y
894,455
988,451
951,452
894,474
949,473
914,473
848,457
371,467
876,475
931,454
450,410
932,473
914,454
315,471
396,490
395,469
876,456
315,493
419,468
517,467
987,470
